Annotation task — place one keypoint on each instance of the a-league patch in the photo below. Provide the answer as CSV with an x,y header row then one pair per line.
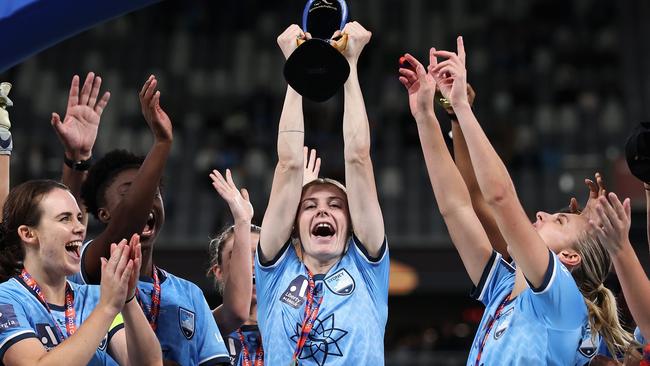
x,y
340,283
588,347
46,334
8,317
187,321
294,295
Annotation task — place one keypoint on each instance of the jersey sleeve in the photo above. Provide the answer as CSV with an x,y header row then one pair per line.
x,y
557,302
14,324
268,274
116,325
375,271
497,278
212,349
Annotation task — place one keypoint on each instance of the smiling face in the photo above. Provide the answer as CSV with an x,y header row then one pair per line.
x,y
560,230
323,222
115,192
58,236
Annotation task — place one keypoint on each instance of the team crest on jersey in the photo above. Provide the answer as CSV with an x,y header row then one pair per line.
x,y
187,322
503,322
8,317
589,345
340,283
294,295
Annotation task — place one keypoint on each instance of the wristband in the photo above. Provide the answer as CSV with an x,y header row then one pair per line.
x,y
130,299
79,165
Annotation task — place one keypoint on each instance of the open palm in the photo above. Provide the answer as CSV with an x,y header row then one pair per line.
x,y
420,86
78,130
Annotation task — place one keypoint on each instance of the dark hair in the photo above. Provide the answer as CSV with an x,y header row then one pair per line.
x,y
102,174
21,208
215,250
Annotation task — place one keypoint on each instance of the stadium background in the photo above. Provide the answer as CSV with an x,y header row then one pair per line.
x,y
559,84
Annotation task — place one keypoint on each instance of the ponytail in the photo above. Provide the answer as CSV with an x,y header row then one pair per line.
x,y
11,255
604,320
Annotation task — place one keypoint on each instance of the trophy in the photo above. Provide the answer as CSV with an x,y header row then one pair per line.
x,y
317,69
637,151
4,103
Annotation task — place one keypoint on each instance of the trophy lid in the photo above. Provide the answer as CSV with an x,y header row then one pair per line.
x,y
322,18
5,87
637,151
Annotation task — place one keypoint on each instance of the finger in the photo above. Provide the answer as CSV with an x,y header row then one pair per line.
x,y
447,72
306,36
56,121
305,154
441,65
116,254
124,258
407,84
85,89
601,184
627,205
608,214
460,47
154,104
410,75
231,182
593,189
312,160
99,107
94,92
244,194
145,86
113,247
148,94
617,205
128,270
413,61
448,55
573,205
73,98
433,60
317,167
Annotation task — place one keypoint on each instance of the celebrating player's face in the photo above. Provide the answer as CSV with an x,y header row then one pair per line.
x,y
323,221
113,196
59,233
559,230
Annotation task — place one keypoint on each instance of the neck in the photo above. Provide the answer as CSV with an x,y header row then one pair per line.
x,y
317,266
252,317
52,286
146,268
520,283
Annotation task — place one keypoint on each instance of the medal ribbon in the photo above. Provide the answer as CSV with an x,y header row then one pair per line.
x,y
497,315
155,300
70,314
259,354
311,312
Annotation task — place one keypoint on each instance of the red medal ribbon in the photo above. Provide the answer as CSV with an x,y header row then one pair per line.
x,y
70,314
155,300
259,353
497,315
311,312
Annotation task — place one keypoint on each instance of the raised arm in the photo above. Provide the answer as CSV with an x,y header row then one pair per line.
x,y
78,132
365,213
527,248
612,224
452,195
132,212
239,285
280,214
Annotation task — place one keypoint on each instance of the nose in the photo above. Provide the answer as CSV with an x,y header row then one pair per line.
x,y
541,215
79,228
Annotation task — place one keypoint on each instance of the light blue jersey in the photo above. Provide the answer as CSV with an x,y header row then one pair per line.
x,y
543,326
639,337
253,340
23,316
349,329
186,328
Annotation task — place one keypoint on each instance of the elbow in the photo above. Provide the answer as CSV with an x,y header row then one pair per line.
x,y
498,194
357,155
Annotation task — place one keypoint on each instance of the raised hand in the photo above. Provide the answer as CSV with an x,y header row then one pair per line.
x,y
288,40
358,37
419,84
595,190
135,250
116,272
612,222
450,75
239,202
312,166
78,130
157,119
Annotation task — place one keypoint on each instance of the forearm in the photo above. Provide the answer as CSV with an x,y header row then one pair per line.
x,y
79,348
482,209
291,130
74,179
635,285
4,179
239,287
356,130
142,344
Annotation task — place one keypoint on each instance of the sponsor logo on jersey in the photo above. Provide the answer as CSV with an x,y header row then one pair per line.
x,y
295,293
588,347
503,323
8,317
187,322
340,283
47,335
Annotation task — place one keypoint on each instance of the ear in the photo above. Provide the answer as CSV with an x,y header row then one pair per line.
x,y
27,235
103,215
570,258
217,272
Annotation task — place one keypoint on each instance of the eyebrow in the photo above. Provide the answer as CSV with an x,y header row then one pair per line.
x,y
563,215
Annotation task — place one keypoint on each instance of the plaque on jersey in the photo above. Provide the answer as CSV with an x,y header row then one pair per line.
x,y
317,69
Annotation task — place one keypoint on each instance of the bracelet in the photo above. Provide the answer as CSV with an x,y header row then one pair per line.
x,y
130,299
79,165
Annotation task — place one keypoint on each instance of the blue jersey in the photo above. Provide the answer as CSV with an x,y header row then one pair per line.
x,y
253,340
349,329
542,326
639,337
186,328
22,316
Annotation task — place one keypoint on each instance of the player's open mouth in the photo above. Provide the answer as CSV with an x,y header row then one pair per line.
x,y
323,230
149,227
74,248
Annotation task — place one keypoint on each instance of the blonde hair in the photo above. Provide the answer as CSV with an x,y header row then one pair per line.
x,y
595,265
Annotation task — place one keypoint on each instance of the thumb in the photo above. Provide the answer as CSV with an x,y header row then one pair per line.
x,y
244,194
56,122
